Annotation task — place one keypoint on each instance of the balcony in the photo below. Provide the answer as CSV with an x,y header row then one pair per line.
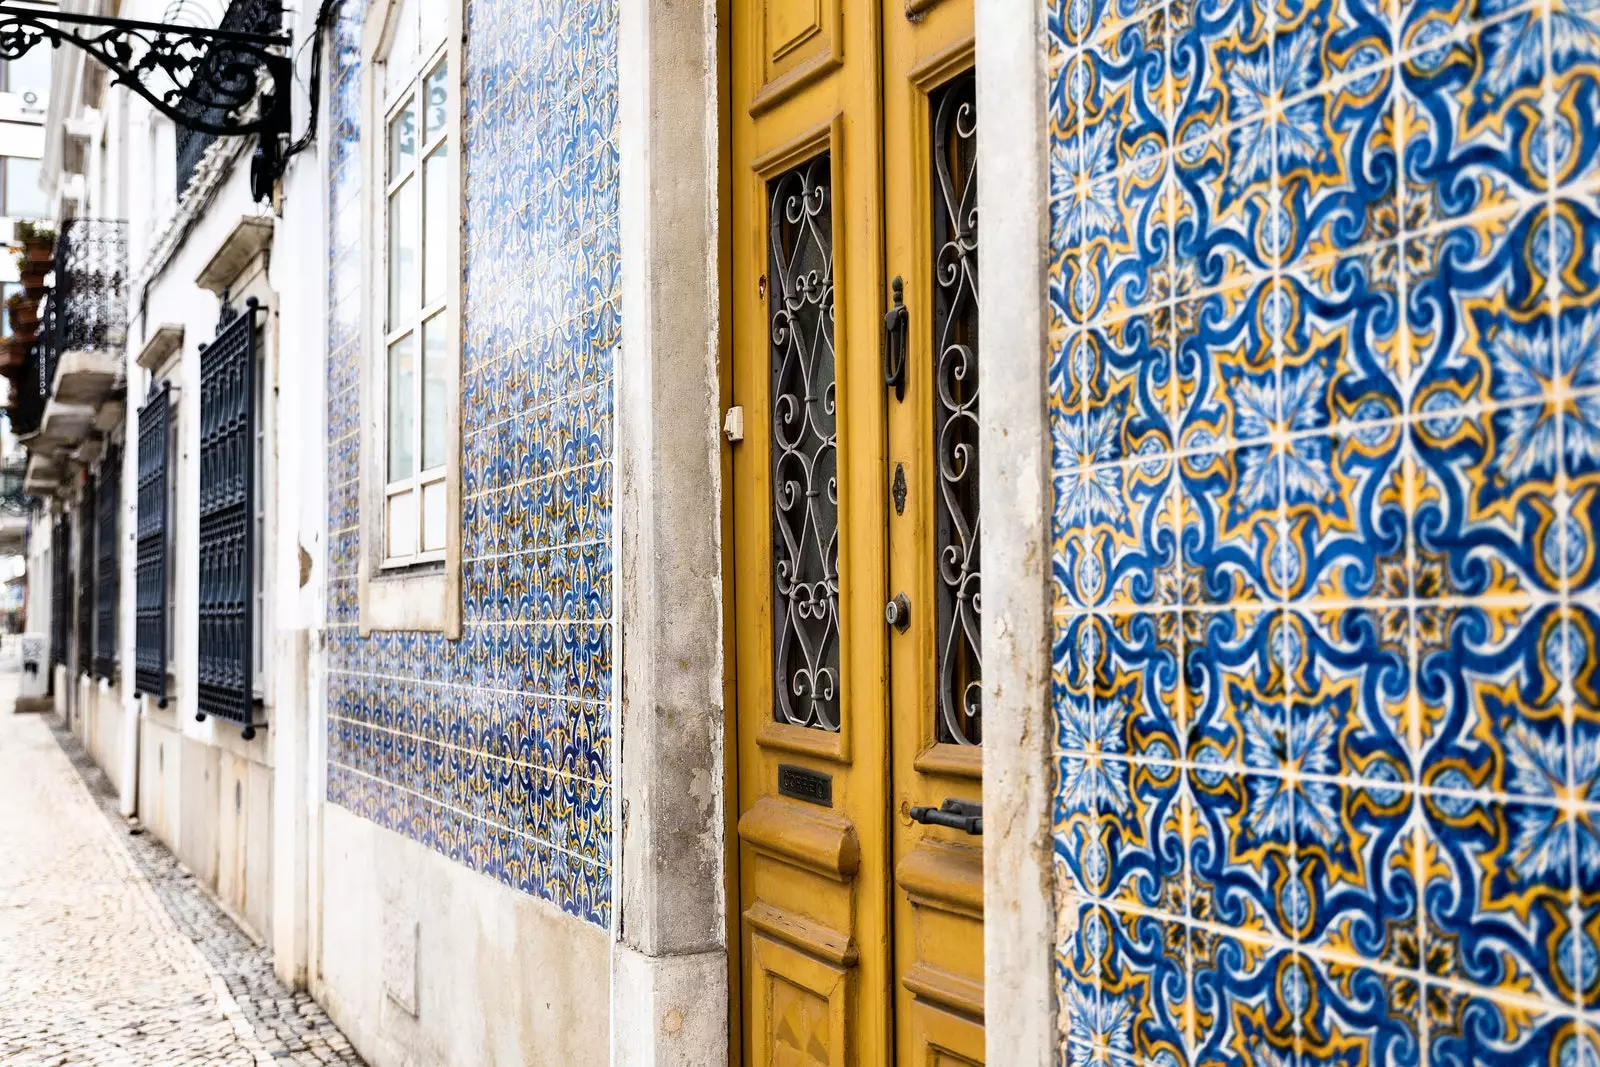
x,y
76,365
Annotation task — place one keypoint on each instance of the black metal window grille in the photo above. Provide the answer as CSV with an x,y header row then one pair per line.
x,y
227,68
60,592
227,507
150,582
958,580
89,305
108,575
805,477
86,589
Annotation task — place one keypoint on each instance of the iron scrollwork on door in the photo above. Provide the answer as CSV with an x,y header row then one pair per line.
x,y
805,482
955,414
150,583
227,510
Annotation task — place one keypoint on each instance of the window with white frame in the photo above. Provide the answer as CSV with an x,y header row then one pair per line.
x,y
421,219
411,377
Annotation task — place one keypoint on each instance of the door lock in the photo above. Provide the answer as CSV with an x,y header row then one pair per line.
x,y
961,815
897,612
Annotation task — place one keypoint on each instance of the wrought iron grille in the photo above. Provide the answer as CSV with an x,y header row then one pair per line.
x,y
60,591
227,499
150,582
226,67
958,607
805,483
108,575
89,309
26,409
86,587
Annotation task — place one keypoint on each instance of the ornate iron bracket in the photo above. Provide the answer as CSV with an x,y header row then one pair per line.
x,y
189,74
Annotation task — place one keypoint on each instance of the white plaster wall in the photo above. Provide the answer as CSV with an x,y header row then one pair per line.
x,y
501,977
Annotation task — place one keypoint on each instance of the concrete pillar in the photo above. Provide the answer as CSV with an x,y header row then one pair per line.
x,y
670,970
1013,206
295,571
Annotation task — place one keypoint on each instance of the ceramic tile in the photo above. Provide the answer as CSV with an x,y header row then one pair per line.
x,y
495,750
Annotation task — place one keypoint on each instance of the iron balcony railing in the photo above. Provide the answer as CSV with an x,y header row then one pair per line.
x,y
245,16
27,406
89,309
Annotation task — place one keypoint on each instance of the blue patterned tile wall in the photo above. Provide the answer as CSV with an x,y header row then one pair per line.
x,y
496,750
1326,385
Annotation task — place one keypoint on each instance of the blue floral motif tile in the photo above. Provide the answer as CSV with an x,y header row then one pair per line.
x,y
1356,1014
1498,901
1349,692
1248,996
1147,980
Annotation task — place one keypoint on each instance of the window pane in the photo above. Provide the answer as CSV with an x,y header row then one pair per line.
x,y
436,94
403,140
402,525
403,255
402,408
437,226
433,517
24,198
433,392
30,73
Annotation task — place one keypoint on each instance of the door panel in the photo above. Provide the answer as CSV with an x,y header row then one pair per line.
x,y
930,206
852,144
808,537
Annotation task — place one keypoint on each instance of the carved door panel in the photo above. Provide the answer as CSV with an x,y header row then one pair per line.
x,y
851,155
930,230
808,502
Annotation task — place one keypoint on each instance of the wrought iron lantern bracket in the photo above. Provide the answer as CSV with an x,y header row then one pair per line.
x,y
190,74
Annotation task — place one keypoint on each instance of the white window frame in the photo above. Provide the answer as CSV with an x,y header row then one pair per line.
x,y
423,591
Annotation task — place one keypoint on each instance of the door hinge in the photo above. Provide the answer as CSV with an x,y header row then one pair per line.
x,y
733,424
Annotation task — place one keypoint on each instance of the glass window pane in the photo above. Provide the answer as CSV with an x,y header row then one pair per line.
x,y
403,140
433,517
436,95
434,381
402,408
403,255
437,226
24,198
402,525
30,73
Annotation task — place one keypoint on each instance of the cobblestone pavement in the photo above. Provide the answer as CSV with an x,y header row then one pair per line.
x,y
110,954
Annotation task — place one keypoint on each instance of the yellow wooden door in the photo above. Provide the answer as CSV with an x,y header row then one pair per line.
x,y
861,929
930,228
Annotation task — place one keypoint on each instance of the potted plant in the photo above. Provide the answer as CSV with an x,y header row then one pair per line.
x,y
24,312
38,244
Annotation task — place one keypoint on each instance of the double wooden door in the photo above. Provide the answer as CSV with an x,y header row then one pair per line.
x,y
854,497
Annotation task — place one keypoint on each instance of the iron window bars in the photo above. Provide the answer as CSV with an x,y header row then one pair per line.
x,y
262,17
150,582
86,589
957,527
227,518
60,591
108,575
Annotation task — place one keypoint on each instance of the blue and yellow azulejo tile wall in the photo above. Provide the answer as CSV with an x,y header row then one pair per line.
x,y
1326,388
495,750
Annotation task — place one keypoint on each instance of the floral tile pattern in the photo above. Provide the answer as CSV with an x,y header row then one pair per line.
x,y
1326,435
495,750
